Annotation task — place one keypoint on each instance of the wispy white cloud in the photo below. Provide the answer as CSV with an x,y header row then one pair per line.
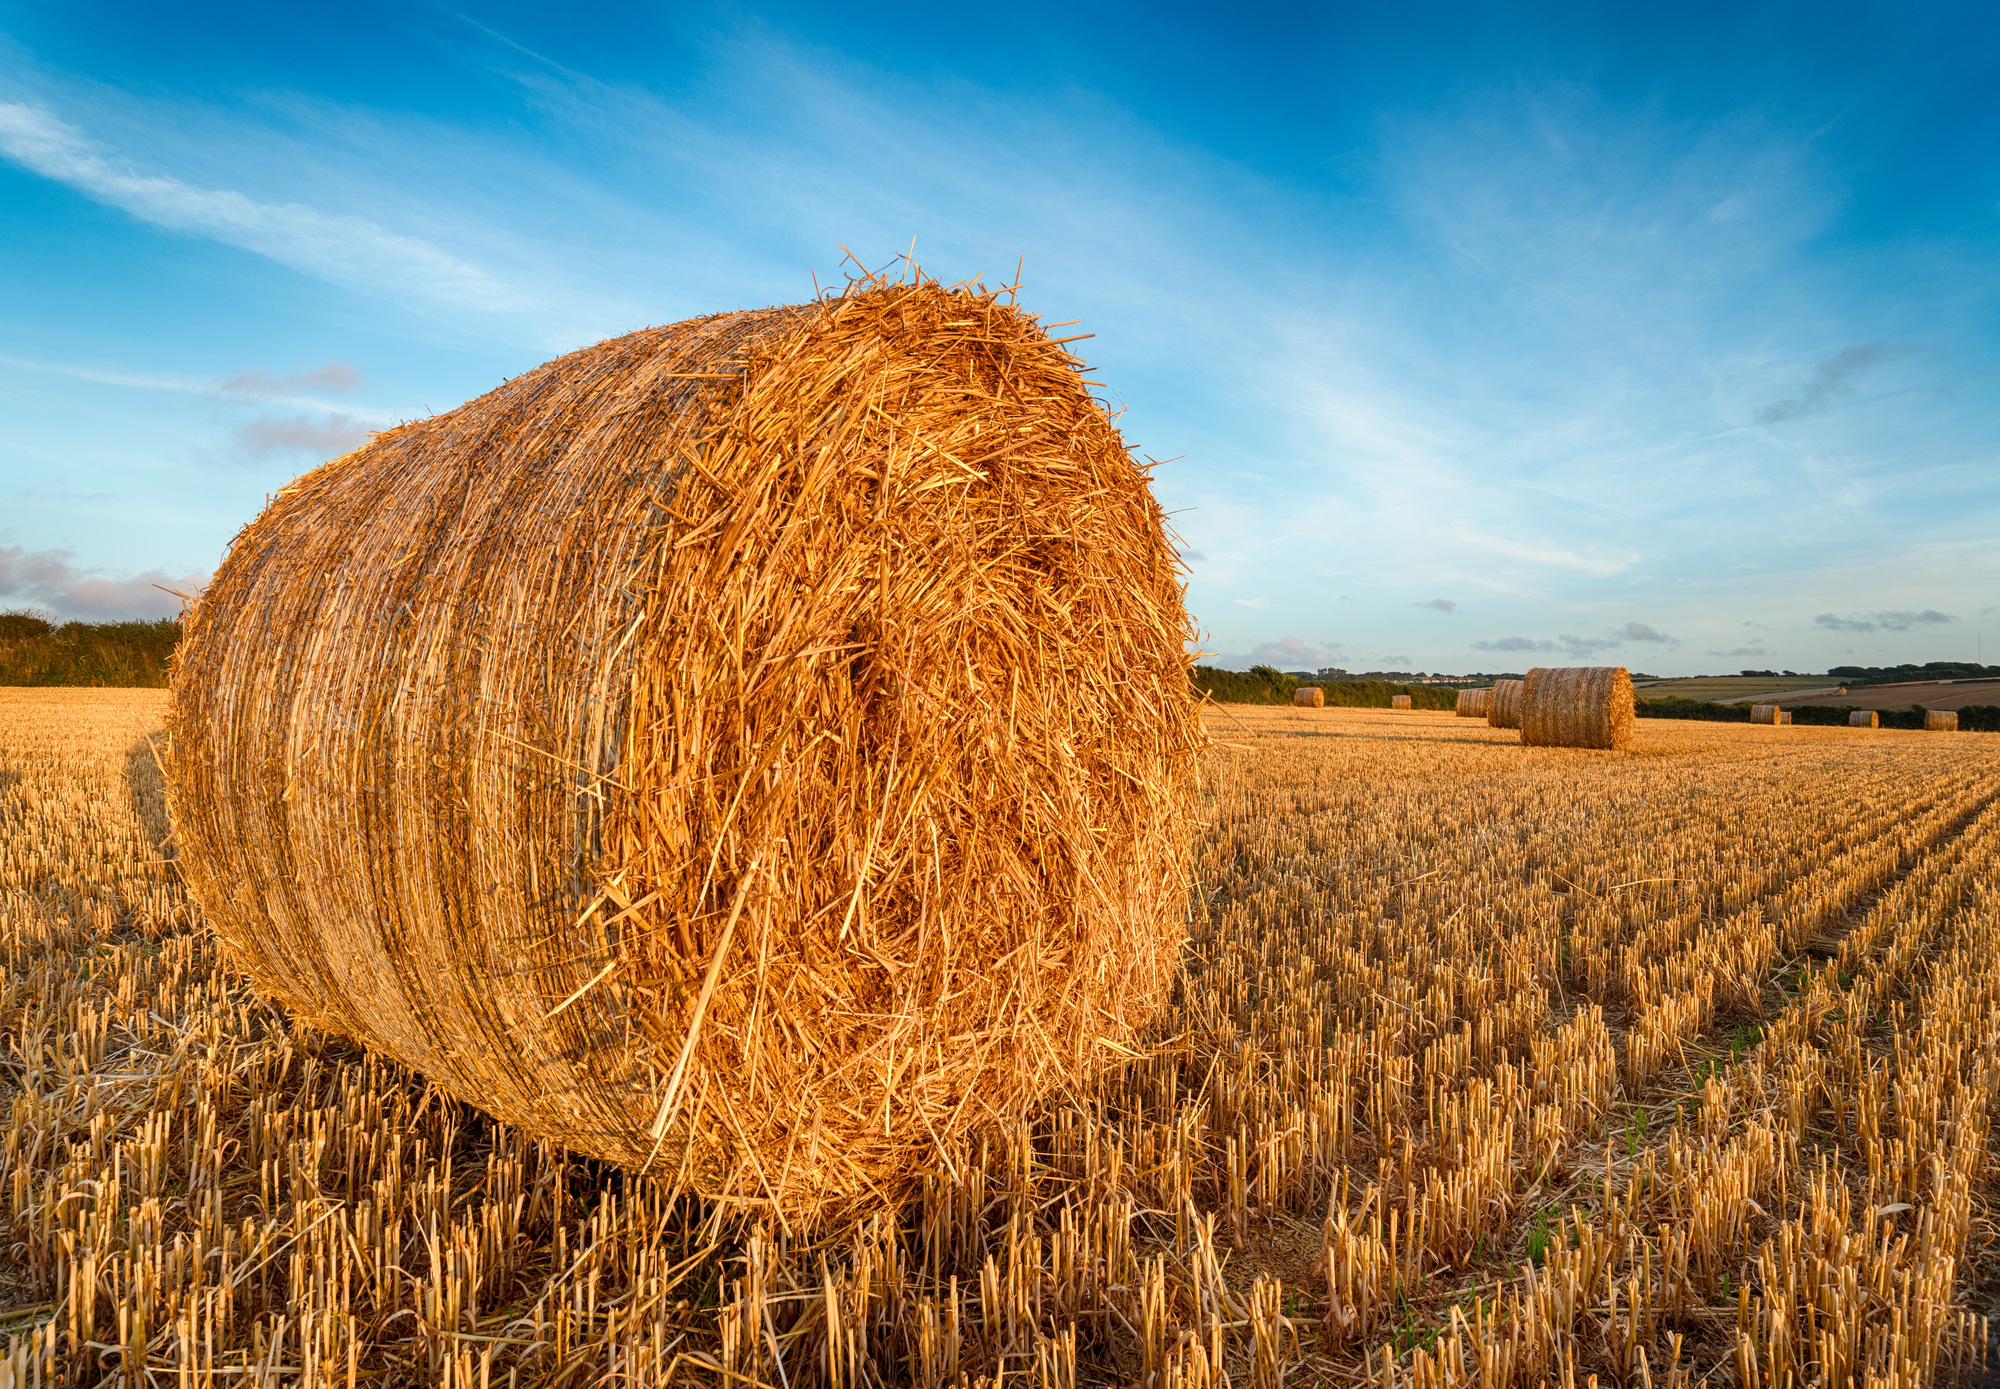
x,y
345,250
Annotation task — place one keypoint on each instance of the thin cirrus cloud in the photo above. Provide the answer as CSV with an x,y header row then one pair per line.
x,y
1833,378
337,377
1884,621
53,581
1443,605
344,250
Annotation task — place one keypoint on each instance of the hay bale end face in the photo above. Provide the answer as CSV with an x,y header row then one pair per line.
x,y
1864,718
1941,720
713,750
1503,710
1399,701
1309,697
1577,707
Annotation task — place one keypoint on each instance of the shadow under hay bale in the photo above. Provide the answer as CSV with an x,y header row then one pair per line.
x,y
1503,710
1309,697
758,750
1577,707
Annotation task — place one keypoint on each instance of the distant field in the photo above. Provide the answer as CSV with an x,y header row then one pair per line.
x,y
1945,694
1730,688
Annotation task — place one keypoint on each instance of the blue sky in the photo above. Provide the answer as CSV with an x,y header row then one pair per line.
x,y
1481,336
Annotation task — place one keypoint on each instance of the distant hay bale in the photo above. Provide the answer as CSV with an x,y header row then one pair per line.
x,y
1309,697
1399,701
1941,720
1473,704
1577,707
1503,710
759,750
1864,718
1767,713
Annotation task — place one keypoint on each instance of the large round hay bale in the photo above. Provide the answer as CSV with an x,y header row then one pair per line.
x,y
1577,707
1864,718
1766,713
1941,720
1309,697
1473,704
715,750
1399,701
1503,710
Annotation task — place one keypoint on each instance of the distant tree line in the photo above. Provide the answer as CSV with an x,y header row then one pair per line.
x,y
1929,670
1269,685
35,649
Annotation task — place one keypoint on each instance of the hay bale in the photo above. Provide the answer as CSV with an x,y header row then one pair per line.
x,y
1767,713
1504,709
1473,704
1309,697
713,750
1577,707
1941,720
1399,701
1864,718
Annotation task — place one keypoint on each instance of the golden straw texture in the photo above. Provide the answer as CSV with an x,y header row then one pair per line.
x,y
1309,697
758,749
1577,707
1399,701
1864,718
1504,709
1765,713
1473,704
1941,720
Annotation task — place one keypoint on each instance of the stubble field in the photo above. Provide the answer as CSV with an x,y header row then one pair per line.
x,y
1489,1065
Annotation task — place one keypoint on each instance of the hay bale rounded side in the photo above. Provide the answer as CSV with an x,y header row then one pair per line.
x,y
1864,718
1504,709
1766,714
713,750
1941,720
1577,707
1473,704
1399,701
1309,697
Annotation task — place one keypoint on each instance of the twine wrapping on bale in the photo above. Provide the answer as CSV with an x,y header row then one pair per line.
x,y
1941,720
715,750
1473,704
1399,701
1864,718
1774,714
1503,710
1309,697
1577,707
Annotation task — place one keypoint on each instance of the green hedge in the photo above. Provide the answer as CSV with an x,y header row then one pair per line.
x,y
85,653
1268,685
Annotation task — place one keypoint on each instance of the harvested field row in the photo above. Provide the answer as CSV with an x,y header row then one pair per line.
x,y
1488,1064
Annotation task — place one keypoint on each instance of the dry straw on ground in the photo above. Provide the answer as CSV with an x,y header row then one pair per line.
x,y
757,750
1504,710
1309,697
1577,707
1399,701
1864,718
1941,720
1473,704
